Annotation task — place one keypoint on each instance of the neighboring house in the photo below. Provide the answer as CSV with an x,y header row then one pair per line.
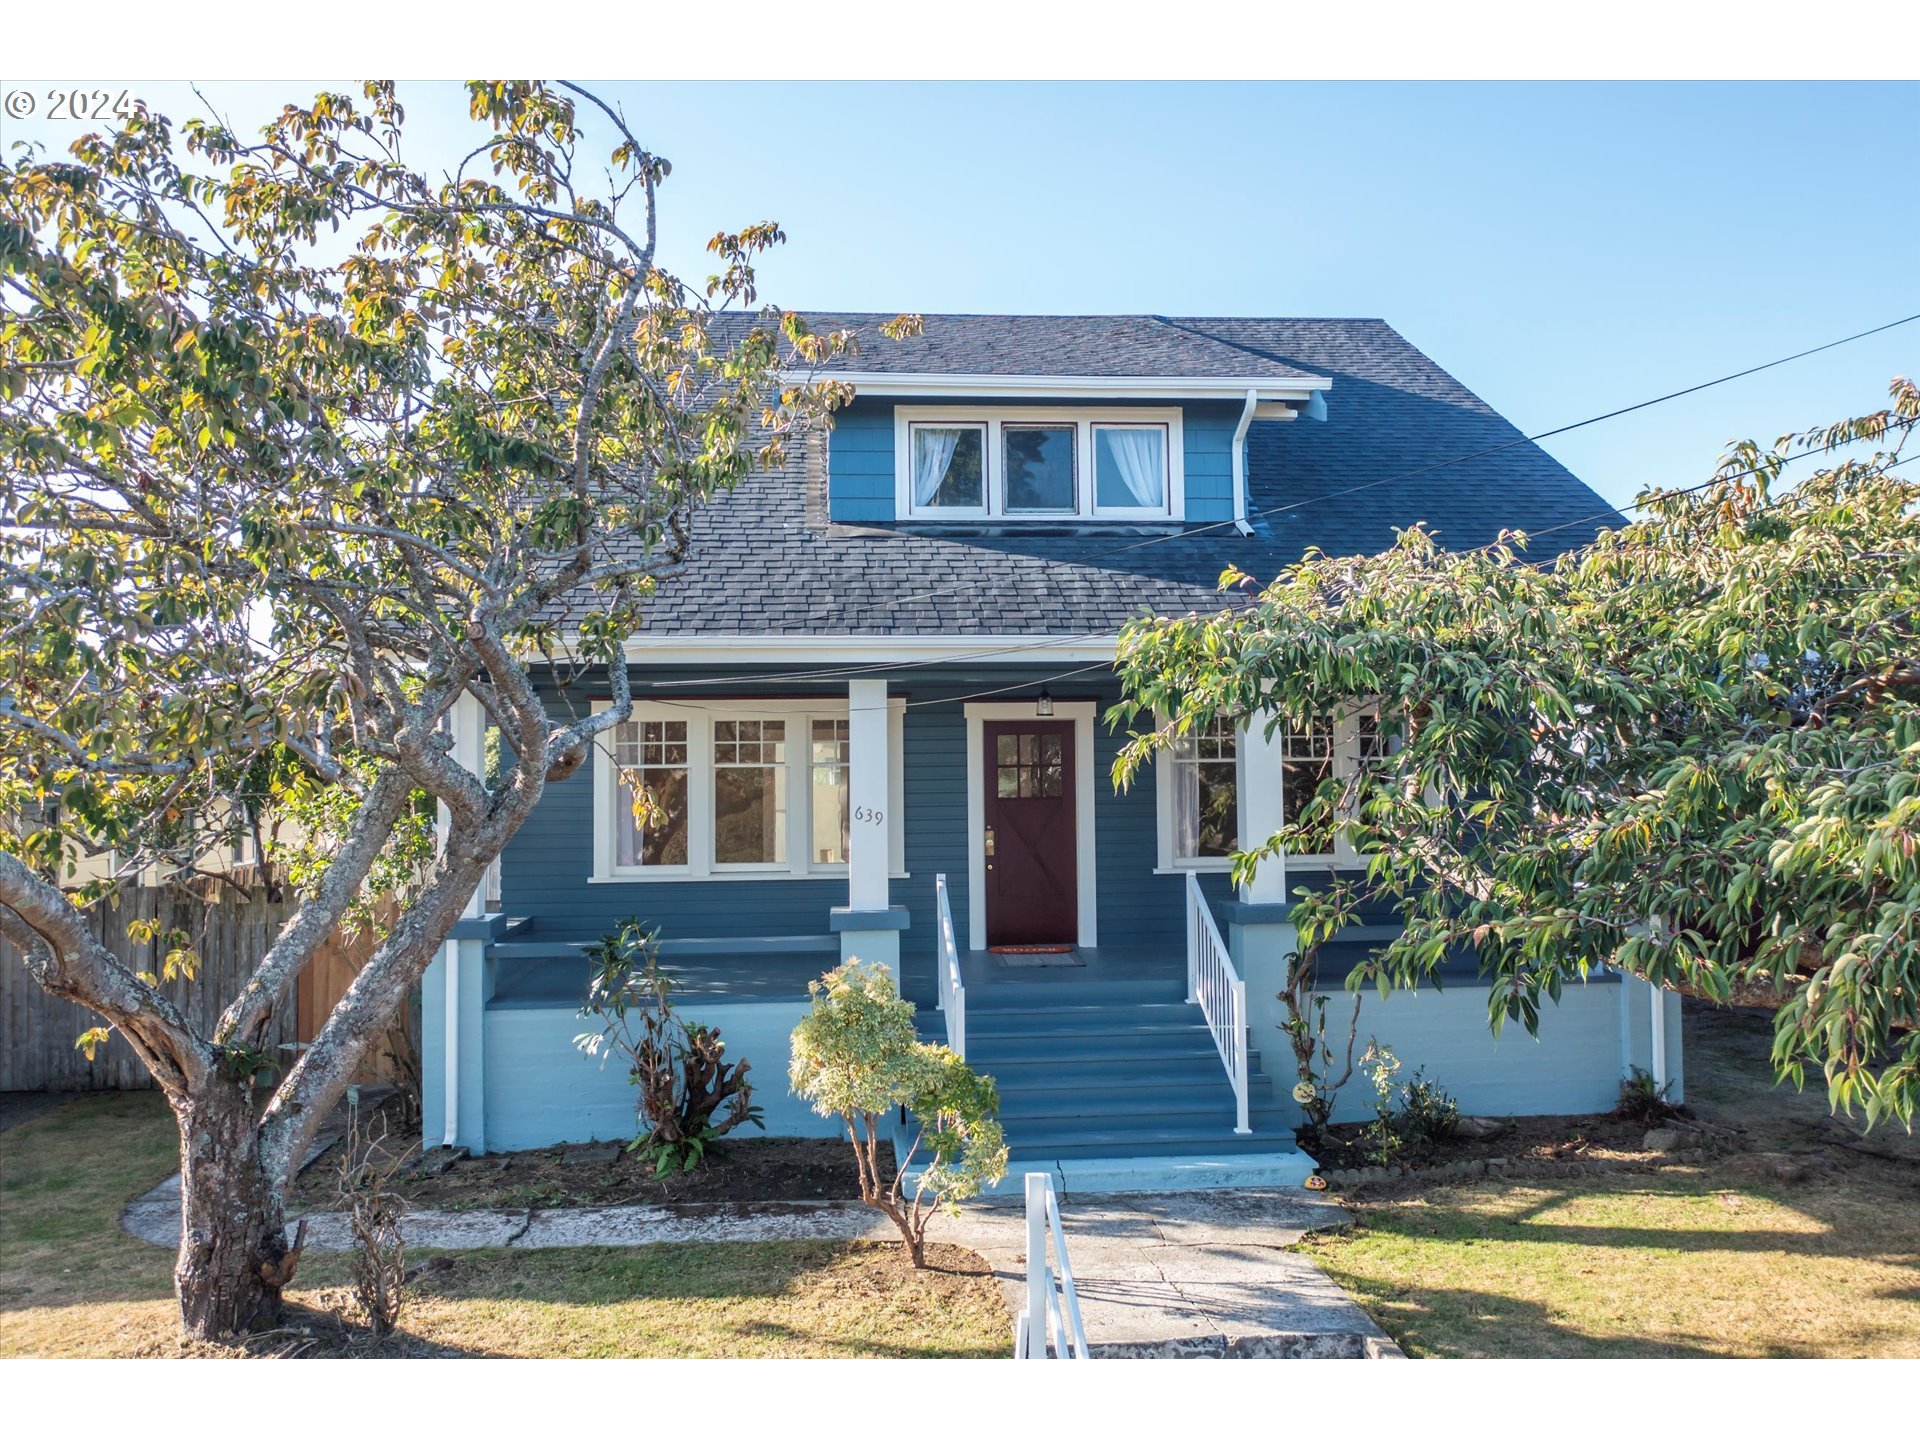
x,y
870,705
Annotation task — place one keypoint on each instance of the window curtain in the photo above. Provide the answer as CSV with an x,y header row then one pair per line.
x,y
932,454
1137,455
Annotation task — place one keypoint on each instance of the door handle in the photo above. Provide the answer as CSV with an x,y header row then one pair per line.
x,y
988,847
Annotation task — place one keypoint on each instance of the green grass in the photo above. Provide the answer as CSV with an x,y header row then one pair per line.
x,y
1672,1264
73,1283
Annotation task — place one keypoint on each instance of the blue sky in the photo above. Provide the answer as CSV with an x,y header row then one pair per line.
x,y
1564,249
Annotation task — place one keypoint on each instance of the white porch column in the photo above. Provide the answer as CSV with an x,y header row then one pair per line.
x,y
1262,807
1258,931
454,989
870,924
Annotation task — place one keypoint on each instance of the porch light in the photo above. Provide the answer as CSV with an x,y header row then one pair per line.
x,y
1043,707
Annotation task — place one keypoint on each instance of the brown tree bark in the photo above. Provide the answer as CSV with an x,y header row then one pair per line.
x,y
235,1258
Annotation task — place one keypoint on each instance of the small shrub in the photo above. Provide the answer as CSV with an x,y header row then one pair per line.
x,y
1427,1112
690,1094
1380,1065
855,1055
1642,1101
377,1266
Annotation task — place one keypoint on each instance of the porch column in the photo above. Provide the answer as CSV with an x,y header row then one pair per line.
x,y
1258,932
455,989
869,924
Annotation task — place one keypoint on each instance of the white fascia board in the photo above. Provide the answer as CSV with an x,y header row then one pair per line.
x,y
865,649
1150,387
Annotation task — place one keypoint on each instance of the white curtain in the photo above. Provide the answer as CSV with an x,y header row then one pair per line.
x,y
1137,455
932,454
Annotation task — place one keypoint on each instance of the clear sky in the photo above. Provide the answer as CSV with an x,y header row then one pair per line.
x,y
1564,249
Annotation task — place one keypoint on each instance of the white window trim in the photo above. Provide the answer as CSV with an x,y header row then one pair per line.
x,y
1165,777
1086,880
1083,418
1346,756
1346,759
700,864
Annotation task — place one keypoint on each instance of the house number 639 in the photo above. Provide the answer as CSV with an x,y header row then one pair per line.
x,y
867,815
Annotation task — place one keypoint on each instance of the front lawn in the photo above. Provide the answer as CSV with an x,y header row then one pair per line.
x,y
1804,1241
73,1283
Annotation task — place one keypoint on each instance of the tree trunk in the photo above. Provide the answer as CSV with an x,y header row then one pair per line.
x,y
234,1256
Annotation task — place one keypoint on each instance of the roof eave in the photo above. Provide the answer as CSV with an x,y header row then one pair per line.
x,y
1145,387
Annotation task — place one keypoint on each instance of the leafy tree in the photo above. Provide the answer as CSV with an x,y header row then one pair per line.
x,y
1690,750
855,1055
300,447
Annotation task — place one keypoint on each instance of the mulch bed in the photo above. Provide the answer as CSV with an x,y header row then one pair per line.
x,y
569,1176
1530,1139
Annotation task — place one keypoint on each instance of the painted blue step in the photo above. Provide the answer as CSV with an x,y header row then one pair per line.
x,y
1028,995
1069,1017
1015,1075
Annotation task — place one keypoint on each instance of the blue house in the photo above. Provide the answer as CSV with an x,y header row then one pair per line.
x,y
868,708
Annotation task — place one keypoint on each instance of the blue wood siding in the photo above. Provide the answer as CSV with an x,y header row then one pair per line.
x,y
545,872
540,1090
1571,1068
1209,428
860,464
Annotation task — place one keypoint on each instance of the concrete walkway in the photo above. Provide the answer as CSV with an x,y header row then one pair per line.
x,y
1201,1273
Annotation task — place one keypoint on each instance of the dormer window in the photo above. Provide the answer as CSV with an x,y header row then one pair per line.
x,y
1034,464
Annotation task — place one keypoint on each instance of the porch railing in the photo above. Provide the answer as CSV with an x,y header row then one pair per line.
x,y
952,995
1216,987
1052,1311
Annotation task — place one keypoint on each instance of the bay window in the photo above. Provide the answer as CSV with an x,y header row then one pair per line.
x,y
1038,463
753,788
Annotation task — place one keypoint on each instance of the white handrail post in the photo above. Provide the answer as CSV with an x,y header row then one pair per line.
x,y
1193,940
1037,1281
1241,1127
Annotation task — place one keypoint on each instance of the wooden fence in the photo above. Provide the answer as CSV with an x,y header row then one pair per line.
x,y
229,932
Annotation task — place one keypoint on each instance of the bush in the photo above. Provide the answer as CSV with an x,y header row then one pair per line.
x,y
377,1265
855,1055
1642,1101
1427,1112
1381,1065
680,1068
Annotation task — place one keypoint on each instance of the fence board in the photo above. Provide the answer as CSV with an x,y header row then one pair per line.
x,y
230,933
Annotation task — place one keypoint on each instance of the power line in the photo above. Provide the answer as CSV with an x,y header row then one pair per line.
x,y
1055,641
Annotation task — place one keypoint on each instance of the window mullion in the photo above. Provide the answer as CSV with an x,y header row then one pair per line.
x,y
994,470
700,793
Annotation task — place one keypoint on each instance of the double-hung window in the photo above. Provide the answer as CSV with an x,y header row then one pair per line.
x,y
750,792
1039,464
1205,775
1206,794
759,787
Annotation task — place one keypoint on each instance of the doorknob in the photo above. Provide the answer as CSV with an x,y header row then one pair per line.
x,y
989,847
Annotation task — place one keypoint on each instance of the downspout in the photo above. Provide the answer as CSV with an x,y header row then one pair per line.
x,y
1240,463
451,1107
1658,1054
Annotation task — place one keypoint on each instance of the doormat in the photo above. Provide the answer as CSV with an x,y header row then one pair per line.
x,y
1028,956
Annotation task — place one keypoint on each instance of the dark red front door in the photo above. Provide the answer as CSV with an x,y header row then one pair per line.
x,y
1032,898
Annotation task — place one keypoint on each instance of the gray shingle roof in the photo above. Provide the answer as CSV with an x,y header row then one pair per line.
x,y
1111,345
764,561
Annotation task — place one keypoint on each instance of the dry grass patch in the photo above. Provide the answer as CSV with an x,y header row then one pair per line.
x,y
73,1283
1664,1265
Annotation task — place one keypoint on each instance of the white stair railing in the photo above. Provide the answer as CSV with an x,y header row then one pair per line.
x,y
1216,987
1052,1313
952,995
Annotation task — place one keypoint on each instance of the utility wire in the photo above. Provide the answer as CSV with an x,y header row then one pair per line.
x,y
1481,454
